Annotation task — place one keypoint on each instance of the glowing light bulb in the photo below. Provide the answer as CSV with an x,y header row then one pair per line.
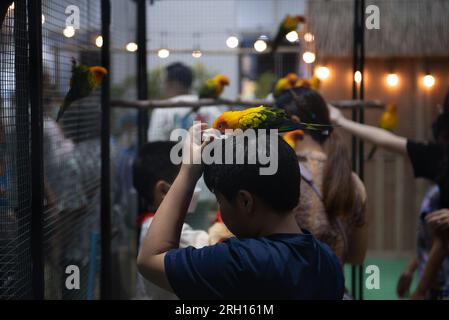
x,y
308,57
357,76
43,19
68,31
197,54
260,45
309,37
99,41
163,53
232,42
292,36
429,81
131,47
322,72
392,79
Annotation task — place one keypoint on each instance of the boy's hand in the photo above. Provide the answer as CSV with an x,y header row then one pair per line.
x,y
192,150
403,286
439,220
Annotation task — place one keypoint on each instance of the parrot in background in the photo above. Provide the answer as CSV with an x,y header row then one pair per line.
x,y
212,88
312,83
263,118
285,83
291,81
387,121
292,136
83,82
290,23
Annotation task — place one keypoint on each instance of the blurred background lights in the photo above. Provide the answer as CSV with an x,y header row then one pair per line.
x,y
357,76
322,72
392,79
69,31
260,45
292,36
308,37
131,47
232,42
428,81
99,41
197,54
308,57
163,53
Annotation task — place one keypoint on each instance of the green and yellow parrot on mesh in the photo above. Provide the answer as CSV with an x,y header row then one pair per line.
x,y
212,88
290,23
83,82
264,118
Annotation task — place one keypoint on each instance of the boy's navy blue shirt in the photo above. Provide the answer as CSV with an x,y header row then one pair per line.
x,y
279,266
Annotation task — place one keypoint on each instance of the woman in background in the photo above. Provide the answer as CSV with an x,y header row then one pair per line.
x,y
332,201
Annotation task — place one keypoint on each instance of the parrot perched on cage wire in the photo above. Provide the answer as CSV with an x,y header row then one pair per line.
x,y
83,82
264,118
212,88
387,121
288,24
285,83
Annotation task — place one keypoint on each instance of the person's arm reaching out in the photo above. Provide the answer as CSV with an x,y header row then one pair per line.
x,y
165,230
377,136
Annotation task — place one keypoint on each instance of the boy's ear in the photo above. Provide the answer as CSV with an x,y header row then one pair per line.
x,y
161,188
245,201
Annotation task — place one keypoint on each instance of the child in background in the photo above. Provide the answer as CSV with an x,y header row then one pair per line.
x,y
153,174
438,288
270,257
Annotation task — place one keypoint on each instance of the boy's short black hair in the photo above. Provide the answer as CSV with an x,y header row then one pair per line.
x,y
152,165
179,72
280,191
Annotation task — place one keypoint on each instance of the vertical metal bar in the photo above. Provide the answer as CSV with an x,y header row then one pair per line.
x,y
142,85
105,278
361,119
37,153
142,78
358,115
23,163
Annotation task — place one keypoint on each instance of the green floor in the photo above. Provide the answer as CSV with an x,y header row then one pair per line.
x,y
390,270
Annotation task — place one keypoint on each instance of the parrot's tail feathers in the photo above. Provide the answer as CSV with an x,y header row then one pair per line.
x,y
371,153
323,129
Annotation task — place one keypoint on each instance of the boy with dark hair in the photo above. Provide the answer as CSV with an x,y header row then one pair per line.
x,y
270,257
153,173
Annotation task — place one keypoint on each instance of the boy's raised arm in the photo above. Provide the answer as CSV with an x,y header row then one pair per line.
x,y
165,230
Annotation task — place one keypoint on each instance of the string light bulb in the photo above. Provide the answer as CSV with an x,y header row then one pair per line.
x,y
357,77
163,53
292,36
260,45
392,79
308,37
308,57
232,42
197,54
322,72
99,41
68,31
428,81
131,47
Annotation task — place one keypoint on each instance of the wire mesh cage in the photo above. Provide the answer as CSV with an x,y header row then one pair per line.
x,y
15,174
71,152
